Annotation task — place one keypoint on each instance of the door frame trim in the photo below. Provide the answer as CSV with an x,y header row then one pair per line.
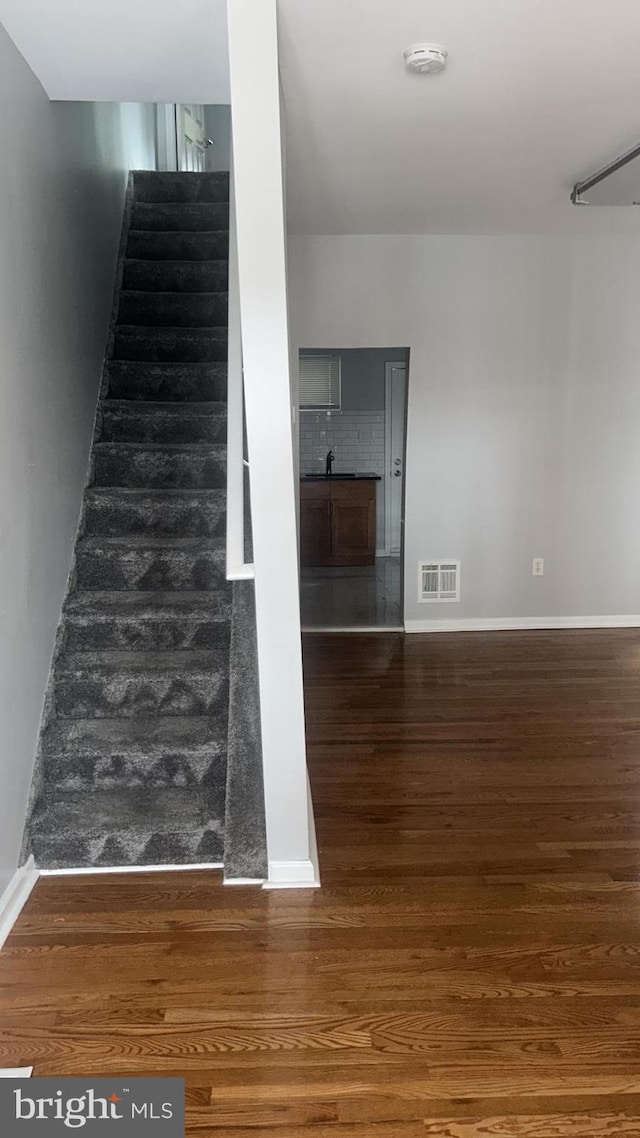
x,y
389,365
166,137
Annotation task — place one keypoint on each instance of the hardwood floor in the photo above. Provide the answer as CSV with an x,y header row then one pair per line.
x,y
471,965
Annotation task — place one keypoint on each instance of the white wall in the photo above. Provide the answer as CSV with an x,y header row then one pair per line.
x,y
154,51
262,281
62,183
524,407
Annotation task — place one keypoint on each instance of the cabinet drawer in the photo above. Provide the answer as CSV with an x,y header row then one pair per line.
x,y
315,491
356,492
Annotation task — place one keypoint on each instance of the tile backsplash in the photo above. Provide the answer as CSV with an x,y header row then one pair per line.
x,y
357,441
355,437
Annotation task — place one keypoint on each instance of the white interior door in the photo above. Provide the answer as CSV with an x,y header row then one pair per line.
x,y
395,404
192,139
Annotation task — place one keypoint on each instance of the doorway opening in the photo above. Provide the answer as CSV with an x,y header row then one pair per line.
x,y
193,137
352,429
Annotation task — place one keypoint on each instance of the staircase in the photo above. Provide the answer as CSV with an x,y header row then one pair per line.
x,y
131,768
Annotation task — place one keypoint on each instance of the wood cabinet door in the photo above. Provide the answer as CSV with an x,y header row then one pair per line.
x,y
353,523
315,523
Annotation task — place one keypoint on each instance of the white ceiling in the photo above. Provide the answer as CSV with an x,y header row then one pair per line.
x,y
157,51
537,94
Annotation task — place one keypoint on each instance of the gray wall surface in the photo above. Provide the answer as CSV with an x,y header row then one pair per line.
x,y
524,407
217,119
62,184
362,374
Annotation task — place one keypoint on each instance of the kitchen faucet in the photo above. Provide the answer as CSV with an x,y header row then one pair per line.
x,y
329,463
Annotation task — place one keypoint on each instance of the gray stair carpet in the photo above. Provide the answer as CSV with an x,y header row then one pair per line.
x,y
245,830
132,762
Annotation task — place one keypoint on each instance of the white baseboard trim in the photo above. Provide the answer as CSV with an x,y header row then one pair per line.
x,y
244,881
292,875
298,874
15,896
522,623
357,628
86,871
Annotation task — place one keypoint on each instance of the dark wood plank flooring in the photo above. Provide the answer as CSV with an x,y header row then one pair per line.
x,y
471,965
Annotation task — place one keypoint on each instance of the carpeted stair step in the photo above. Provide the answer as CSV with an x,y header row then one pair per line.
x,y
107,754
173,309
135,422
166,382
132,827
96,685
153,621
142,564
170,345
245,844
118,512
161,466
180,217
133,762
156,246
176,276
167,186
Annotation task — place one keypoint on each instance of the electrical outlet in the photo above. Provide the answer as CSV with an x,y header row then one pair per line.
x,y
537,567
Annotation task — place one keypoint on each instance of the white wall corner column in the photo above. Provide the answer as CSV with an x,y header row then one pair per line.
x,y
166,137
259,211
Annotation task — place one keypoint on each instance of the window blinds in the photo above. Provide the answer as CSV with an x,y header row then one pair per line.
x,y
319,382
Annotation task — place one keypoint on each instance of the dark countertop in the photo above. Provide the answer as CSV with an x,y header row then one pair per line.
x,y
337,477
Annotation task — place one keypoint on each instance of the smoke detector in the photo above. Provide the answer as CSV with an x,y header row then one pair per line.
x,y
426,58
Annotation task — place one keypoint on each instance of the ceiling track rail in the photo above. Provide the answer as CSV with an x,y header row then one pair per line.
x,y
587,184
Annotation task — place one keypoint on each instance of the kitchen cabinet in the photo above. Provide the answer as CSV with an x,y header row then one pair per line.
x,y
315,523
338,521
